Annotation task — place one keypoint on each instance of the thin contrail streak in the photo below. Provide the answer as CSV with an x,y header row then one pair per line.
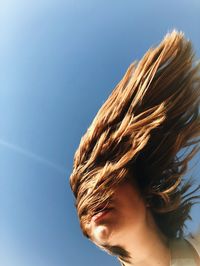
x,y
33,156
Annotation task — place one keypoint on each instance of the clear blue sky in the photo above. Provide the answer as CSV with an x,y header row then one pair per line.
x,y
59,60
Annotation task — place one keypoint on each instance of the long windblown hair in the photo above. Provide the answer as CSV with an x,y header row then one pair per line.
x,y
148,129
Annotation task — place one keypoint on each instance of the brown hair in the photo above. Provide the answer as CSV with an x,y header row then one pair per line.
x,y
148,128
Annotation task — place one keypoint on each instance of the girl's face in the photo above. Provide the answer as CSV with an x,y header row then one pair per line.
x,y
126,212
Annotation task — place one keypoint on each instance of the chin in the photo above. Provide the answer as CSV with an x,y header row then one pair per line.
x,y
101,234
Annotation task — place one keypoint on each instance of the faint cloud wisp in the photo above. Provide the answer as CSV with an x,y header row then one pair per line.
x,y
33,156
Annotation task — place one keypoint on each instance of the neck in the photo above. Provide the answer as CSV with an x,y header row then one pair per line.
x,y
149,248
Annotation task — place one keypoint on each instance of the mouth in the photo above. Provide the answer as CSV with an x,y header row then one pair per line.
x,y
100,213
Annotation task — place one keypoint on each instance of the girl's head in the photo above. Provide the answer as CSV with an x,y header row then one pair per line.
x,y
134,154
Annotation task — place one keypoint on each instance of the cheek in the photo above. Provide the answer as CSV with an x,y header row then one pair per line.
x,y
131,207
133,214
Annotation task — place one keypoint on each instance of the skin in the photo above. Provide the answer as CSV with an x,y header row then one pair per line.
x,y
129,224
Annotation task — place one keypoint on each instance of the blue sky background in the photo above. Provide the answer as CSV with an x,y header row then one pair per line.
x,y
59,60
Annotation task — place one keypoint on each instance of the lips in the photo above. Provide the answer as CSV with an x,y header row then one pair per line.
x,y
100,213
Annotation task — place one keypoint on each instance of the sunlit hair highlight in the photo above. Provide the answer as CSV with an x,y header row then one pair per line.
x,y
148,129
